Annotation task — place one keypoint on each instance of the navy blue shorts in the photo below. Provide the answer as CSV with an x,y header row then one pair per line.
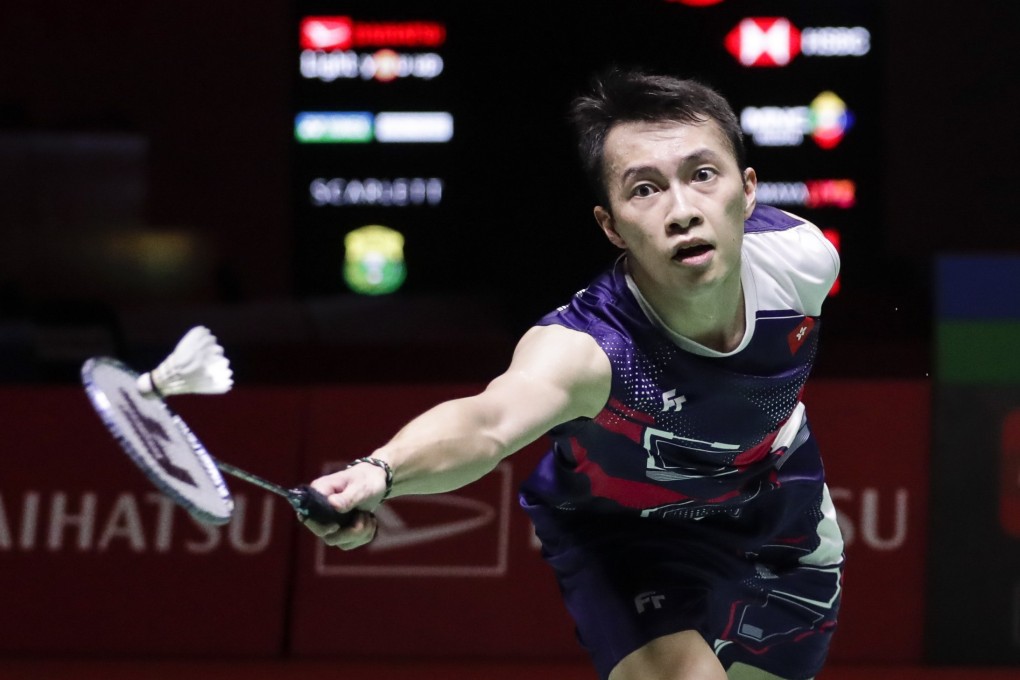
x,y
762,588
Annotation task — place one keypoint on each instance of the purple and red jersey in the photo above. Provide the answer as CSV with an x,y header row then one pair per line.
x,y
707,485
688,431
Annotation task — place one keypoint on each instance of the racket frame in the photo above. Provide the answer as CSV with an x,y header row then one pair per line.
x,y
102,404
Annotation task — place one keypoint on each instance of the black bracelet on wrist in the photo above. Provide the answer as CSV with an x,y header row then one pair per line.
x,y
384,466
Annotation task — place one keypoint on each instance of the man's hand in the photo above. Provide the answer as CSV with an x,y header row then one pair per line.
x,y
358,489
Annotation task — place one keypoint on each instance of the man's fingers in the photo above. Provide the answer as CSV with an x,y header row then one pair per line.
x,y
360,486
358,490
315,527
361,531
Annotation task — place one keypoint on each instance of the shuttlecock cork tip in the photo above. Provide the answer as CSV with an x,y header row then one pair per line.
x,y
196,366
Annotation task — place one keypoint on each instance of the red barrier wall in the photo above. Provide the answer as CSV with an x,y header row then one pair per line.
x,y
95,562
450,575
876,442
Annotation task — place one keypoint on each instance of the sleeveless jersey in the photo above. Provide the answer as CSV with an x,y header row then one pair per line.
x,y
688,431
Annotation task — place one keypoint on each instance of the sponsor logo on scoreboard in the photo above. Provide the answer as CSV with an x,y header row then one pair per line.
x,y
374,260
345,33
775,41
812,193
354,127
826,120
398,192
383,65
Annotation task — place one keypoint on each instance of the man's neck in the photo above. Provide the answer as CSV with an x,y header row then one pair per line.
x,y
713,318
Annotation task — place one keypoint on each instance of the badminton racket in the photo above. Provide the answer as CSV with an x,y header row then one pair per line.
x,y
134,410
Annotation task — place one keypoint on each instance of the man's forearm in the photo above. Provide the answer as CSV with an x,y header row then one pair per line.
x,y
445,448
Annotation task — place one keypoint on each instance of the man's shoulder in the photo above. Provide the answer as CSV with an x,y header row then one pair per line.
x,y
766,219
779,237
600,301
789,253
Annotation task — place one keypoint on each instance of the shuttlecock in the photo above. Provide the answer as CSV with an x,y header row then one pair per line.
x,y
196,366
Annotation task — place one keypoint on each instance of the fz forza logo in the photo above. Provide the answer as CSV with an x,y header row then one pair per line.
x,y
648,600
672,402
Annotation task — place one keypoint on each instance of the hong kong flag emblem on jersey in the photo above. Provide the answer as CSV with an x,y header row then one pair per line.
x,y
799,334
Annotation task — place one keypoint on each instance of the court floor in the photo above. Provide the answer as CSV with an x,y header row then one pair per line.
x,y
68,669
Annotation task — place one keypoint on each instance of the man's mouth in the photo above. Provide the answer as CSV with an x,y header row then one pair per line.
x,y
692,253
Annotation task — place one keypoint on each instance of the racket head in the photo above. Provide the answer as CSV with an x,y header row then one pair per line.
x,y
157,440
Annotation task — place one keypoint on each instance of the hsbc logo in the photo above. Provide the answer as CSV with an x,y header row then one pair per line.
x,y
763,42
775,41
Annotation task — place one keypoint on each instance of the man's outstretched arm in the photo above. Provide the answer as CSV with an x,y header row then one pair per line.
x,y
556,375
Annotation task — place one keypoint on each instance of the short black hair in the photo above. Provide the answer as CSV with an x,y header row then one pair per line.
x,y
631,95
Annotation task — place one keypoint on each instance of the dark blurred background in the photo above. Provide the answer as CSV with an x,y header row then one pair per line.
x,y
150,179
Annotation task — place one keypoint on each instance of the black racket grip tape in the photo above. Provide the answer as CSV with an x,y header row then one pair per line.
x,y
314,506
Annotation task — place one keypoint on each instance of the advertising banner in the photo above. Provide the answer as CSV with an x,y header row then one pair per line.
x,y
875,440
450,575
98,562
95,561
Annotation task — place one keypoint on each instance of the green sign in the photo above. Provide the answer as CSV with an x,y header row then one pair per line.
x,y
374,260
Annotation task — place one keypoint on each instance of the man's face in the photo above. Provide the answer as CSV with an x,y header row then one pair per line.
x,y
677,204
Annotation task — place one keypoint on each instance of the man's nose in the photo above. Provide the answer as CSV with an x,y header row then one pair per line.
x,y
683,214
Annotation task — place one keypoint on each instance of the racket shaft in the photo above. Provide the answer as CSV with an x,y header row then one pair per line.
x,y
308,502
252,478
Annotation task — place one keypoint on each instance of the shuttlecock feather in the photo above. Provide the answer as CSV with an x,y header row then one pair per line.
x,y
196,366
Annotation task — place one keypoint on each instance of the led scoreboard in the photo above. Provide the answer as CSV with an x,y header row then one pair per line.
x,y
370,130
432,154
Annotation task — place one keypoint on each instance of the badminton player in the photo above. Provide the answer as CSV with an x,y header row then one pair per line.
x,y
682,505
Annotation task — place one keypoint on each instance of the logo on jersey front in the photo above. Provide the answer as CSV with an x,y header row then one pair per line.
x,y
799,334
675,458
671,402
648,600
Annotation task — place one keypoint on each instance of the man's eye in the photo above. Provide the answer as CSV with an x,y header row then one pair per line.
x,y
643,190
704,174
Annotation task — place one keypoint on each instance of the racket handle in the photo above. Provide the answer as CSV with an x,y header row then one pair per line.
x,y
312,505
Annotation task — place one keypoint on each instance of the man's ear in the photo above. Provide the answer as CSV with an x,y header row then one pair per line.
x,y
750,191
608,225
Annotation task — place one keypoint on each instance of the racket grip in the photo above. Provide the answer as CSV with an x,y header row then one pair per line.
x,y
311,504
